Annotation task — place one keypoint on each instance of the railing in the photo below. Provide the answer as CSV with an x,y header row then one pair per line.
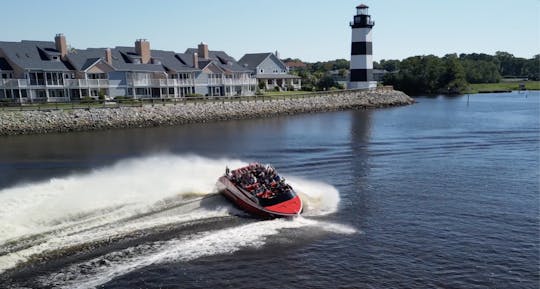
x,y
42,104
160,82
75,83
246,81
67,83
104,83
13,83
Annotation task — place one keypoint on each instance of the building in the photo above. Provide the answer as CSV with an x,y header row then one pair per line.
x,y
270,71
220,73
40,71
293,65
361,72
378,74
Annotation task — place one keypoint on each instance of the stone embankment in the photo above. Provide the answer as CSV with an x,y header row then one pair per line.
x,y
48,121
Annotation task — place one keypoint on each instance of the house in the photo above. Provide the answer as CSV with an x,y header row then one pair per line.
x,y
293,65
35,70
270,71
378,74
220,73
44,71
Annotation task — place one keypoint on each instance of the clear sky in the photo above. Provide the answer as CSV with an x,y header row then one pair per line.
x,y
311,30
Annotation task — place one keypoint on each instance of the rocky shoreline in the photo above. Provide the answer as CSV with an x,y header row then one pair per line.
x,y
50,121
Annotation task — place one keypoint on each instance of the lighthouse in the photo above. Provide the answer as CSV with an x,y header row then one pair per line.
x,y
361,74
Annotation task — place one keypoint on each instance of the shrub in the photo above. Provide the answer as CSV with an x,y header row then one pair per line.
x,y
87,99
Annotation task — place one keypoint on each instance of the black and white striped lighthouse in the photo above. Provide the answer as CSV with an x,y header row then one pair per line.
x,y
361,76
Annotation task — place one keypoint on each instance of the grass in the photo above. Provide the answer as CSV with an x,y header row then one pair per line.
x,y
489,87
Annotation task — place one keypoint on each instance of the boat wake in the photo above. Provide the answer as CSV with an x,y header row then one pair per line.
x,y
136,213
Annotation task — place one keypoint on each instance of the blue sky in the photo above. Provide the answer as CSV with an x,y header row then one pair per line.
x,y
308,29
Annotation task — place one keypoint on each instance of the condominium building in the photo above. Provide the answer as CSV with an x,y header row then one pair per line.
x,y
270,71
51,72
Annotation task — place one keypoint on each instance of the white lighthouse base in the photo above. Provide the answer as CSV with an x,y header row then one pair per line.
x,y
362,84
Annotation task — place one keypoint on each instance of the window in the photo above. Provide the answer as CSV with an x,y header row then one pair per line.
x,y
41,93
48,77
56,93
97,76
184,76
142,91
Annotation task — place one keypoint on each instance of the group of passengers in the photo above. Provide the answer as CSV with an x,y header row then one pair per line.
x,y
262,181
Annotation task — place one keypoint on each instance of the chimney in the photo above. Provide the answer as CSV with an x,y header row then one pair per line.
x,y
203,50
61,44
195,60
108,56
142,48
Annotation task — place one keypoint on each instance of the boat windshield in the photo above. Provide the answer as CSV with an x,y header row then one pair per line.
x,y
276,199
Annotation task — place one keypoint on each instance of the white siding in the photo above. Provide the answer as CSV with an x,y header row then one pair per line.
x,y
361,62
361,35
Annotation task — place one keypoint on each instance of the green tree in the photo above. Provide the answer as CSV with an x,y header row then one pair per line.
x,y
390,65
453,77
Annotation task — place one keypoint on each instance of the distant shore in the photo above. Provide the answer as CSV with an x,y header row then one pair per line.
x,y
55,121
503,86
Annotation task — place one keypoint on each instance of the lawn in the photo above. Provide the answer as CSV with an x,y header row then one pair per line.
x,y
501,86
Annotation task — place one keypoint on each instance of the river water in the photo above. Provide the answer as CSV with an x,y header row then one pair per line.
x,y
440,194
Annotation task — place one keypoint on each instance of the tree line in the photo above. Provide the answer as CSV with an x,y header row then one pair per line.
x,y
452,73
322,75
427,74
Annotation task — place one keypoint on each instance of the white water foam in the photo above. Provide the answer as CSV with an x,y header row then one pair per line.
x,y
126,197
55,212
318,198
226,241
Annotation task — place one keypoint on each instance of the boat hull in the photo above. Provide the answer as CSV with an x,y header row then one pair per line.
x,y
249,203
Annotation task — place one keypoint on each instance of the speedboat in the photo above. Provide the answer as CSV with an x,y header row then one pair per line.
x,y
259,190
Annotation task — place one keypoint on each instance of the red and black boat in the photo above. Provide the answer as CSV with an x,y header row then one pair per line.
x,y
259,190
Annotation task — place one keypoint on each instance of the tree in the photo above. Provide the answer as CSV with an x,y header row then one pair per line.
x,y
531,68
326,82
454,76
390,65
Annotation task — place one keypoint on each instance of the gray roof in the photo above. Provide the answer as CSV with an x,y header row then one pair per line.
x,y
83,59
122,57
4,65
220,58
34,55
252,60
174,61
38,55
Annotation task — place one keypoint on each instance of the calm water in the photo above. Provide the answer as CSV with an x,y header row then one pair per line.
x,y
441,194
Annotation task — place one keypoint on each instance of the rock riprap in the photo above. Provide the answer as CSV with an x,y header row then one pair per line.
x,y
47,121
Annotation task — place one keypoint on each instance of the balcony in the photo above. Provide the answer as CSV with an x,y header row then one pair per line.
x,y
160,82
86,83
13,83
67,83
244,81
